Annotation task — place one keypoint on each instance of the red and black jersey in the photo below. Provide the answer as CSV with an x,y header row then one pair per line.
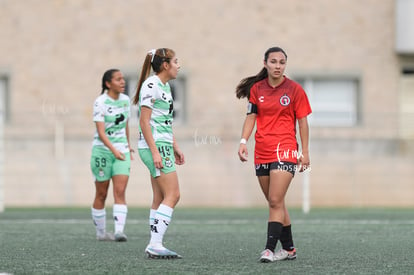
x,y
277,111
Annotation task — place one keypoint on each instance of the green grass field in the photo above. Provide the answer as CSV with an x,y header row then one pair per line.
x,y
211,241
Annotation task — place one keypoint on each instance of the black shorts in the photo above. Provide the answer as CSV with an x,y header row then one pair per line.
x,y
265,168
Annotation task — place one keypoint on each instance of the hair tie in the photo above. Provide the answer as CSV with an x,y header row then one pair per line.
x,y
152,52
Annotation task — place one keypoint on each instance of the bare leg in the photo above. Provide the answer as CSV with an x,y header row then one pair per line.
x,y
100,194
157,195
278,186
168,186
119,186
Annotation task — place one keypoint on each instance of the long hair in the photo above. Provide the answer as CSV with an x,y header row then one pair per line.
x,y
243,88
153,60
107,77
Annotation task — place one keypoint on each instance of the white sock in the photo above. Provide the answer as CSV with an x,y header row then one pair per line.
x,y
120,212
99,219
152,218
161,220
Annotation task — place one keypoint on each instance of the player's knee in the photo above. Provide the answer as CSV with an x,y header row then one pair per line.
x,y
173,198
275,203
101,196
177,197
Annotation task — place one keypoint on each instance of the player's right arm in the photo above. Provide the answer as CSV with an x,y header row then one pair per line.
x,y
248,124
144,122
247,130
148,97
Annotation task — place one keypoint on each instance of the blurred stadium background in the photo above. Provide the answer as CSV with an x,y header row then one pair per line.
x,y
354,58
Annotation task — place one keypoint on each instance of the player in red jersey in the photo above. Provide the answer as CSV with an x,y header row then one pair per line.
x,y
276,103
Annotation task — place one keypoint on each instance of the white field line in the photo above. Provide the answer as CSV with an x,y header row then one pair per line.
x,y
219,222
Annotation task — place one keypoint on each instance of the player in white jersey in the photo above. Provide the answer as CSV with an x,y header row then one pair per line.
x,y
111,158
157,147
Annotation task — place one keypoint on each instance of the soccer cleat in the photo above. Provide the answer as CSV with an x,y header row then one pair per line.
x,y
266,256
120,237
105,237
282,255
160,252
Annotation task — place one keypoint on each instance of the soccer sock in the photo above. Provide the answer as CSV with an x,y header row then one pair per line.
x,y
274,230
286,238
152,218
99,220
120,212
161,220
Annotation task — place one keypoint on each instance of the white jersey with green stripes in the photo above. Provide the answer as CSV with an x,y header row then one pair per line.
x,y
157,96
115,114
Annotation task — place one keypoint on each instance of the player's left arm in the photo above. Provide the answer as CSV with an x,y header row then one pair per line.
x,y
304,159
131,151
179,156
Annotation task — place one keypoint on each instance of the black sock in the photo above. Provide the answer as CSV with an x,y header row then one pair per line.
x,y
274,230
286,238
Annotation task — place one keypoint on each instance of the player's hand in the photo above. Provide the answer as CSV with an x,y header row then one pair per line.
x,y
131,152
119,155
179,157
157,160
243,154
304,162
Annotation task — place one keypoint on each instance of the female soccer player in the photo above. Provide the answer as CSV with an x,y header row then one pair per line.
x,y
111,157
157,147
275,104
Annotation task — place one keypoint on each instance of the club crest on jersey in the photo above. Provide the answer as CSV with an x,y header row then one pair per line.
x,y
284,100
168,162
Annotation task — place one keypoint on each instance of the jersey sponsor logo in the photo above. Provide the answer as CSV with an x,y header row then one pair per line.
x,y
109,110
150,85
119,118
171,107
284,100
261,99
141,136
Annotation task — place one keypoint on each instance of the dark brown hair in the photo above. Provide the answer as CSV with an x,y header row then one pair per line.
x,y
243,89
107,77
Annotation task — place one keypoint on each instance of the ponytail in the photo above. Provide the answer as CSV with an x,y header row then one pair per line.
x,y
145,72
243,89
154,59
